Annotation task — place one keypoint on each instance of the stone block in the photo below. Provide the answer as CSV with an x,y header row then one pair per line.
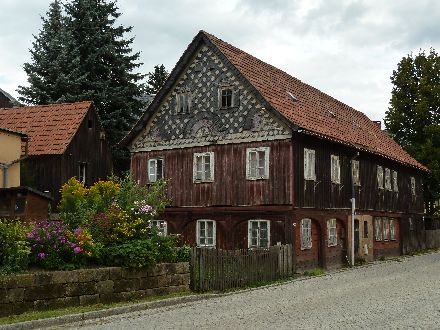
x,y
134,273
156,270
40,305
19,308
162,291
125,285
63,302
105,287
107,297
15,295
163,280
44,292
179,279
64,277
149,282
18,281
80,289
43,279
89,299
115,273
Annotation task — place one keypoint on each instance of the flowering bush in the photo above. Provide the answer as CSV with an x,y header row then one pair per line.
x,y
14,248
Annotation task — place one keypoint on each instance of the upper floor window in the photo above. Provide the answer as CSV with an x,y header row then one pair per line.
x,y
355,172
183,102
413,186
335,169
257,163
379,177
378,228
309,164
160,225
206,233
259,233
332,233
306,234
387,179
155,169
395,185
203,167
82,172
228,97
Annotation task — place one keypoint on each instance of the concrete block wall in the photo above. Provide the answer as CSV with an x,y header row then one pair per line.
x,y
58,289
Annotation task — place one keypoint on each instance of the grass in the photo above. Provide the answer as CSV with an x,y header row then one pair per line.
x,y
314,272
37,315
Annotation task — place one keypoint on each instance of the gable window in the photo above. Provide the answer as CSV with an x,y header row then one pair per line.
x,y
309,164
259,233
336,169
387,179
257,163
82,172
392,229
160,225
386,229
155,169
413,186
355,172
306,234
378,229
206,232
228,97
203,167
183,102
332,233
379,177
395,186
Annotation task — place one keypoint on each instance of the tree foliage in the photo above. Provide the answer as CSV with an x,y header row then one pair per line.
x,y
413,118
156,79
84,55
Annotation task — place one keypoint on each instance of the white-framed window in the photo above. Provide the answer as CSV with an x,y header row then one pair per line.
x,y
392,229
228,97
203,167
335,169
155,169
332,232
309,164
306,234
355,172
257,163
395,185
413,186
378,229
386,229
82,172
160,225
379,177
183,102
258,233
387,179
206,232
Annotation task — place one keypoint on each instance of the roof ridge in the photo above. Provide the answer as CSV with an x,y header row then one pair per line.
x,y
47,105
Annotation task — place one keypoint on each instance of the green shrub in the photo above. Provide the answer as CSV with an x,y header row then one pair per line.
x,y
184,254
315,272
14,248
141,253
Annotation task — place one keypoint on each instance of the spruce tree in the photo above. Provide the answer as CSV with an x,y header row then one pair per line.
x,y
156,79
413,118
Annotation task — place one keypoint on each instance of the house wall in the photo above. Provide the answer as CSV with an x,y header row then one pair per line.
x,y
10,150
230,186
4,101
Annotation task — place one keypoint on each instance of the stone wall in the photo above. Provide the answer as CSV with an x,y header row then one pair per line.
x,y
50,290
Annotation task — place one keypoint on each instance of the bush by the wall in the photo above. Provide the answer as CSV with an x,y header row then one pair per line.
x,y
14,248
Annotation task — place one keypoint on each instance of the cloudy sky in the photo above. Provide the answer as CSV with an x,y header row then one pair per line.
x,y
346,48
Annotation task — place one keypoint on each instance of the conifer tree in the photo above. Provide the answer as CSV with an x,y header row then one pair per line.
x,y
156,79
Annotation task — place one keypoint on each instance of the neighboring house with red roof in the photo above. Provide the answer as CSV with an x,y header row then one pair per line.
x,y
6,100
65,140
256,157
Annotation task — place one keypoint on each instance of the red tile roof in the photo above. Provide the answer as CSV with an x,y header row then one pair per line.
x,y
313,111
50,127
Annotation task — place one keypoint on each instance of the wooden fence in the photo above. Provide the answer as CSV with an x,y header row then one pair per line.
x,y
219,270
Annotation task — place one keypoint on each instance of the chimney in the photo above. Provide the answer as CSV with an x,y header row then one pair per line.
x,y
378,123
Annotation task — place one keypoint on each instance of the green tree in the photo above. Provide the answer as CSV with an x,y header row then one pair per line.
x,y
156,79
53,73
413,118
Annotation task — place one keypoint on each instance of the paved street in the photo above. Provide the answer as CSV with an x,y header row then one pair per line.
x,y
397,295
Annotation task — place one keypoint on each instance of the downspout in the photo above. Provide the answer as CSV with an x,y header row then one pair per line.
x,y
5,174
353,207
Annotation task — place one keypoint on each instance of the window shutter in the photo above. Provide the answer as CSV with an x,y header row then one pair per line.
x,y
306,164
219,97
211,166
312,165
379,177
235,97
159,169
355,169
178,103
152,170
189,102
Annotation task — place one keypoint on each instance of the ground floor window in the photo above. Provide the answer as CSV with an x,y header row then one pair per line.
x,y
160,225
392,229
206,232
332,233
386,229
306,234
259,233
378,229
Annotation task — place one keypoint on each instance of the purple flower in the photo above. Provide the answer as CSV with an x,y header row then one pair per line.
x,y
77,250
41,255
78,231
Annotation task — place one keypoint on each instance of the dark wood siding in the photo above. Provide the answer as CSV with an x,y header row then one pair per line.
x,y
230,186
323,194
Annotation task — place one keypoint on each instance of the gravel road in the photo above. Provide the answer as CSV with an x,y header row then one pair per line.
x,y
396,295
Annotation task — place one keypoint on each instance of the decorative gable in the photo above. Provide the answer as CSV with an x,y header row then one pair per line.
x,y
208,104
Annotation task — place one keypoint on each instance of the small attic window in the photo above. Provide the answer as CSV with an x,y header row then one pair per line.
x,y
294,98
332,113
90,123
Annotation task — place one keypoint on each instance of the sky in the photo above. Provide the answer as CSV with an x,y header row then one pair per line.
x,y
346,48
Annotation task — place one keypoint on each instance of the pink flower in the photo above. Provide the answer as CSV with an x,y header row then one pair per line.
x,y
78,231
41,255
77,250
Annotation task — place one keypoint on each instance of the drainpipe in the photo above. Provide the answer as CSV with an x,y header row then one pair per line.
x,y
5,174
353,207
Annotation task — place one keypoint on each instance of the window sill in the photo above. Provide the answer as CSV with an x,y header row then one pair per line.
x,y
206,181
256,179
